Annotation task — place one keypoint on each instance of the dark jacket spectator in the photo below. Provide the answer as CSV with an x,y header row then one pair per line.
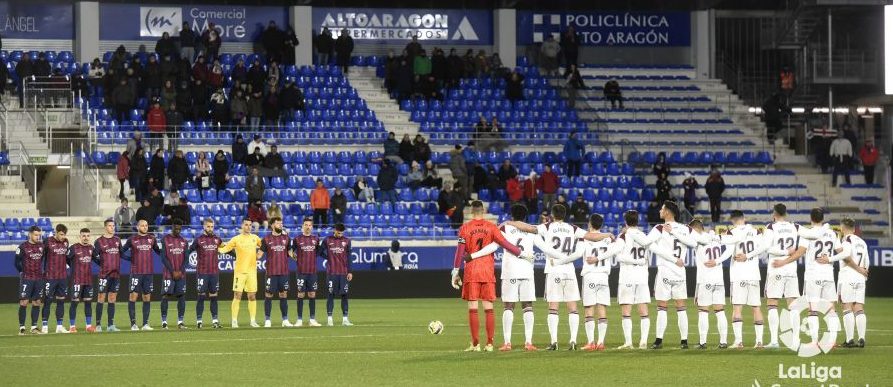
x,y
664,189
42,67
240,150
156,170
690,195
570,46
344,47
444,200
272,106
166,46
413,48
145,212
458,168
387,177
580,212
439,65
255,159
187,37
255,186
514,87
660,166
325,44
506,171
392,148
291,97
220,167
405,79
406,149
339,206
273,160
257,77
456,67
273,40
178,171
612,93
200,70
715,186
421,149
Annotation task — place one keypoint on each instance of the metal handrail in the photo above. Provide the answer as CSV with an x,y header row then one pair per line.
x,y
26,162
4,130
89,173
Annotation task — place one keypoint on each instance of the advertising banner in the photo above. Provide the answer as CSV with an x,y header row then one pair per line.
x,y
24,20
399,25
606,28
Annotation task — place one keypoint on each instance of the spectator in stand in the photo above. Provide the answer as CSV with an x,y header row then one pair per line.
x,y
842,155
200,70
94,74
430,174
288,48
273,74
125,217
387,180
118,61
257,215
292,99
414,177
426,87
339,206
455,68
152,79
506,172
613,94
395,256
574,83
211,41
219,108
363,191
391,71
273,40
176,212
202,173
258,142
320,202
563,201
421,66
690,195
392,149
239,72
166,47
660,166
42,67
255,159
24,69
145,212
580,211
123,98
570,46
481,130
220,168
187,44
138,171
178,171
549,56
869,156
174,120
496,68
653,214
156,202
458,199
531,196
664,188
439,68
272,106
459,168
421,149
514,191
201,97
573,151
414,48
482,64
494,137
548,184
170,70
156,120
156,169
238,110
255,186
406,149
479,181
715,186
274,211
444,201
134,143
405,78
255,111
168,95
274,163
324,46
239,150
123,171
215,77
514,86
344,47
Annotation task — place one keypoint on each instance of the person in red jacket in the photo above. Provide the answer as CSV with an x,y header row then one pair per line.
x,y
513,189
530,192
257,215
548,184
157,123
869,156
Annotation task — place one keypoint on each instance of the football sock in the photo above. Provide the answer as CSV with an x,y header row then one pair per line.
x,y
300,308
589,328
722,324
528,325
283,308
813,321
111,314
627,325
552,322
131,311
147,308
833,321
181,307
23,312
345,306
268,306
682,322
99,306
737,325
645,327
330,305
45,311
795,325
88,313
703,326
573,321
661,324
60,311
72,312
758,331
199,307
311,304
489,323
234,309
252,309
602,330
474,325
773,323
35,315
508,317
849,324
861,322
163,309
214,307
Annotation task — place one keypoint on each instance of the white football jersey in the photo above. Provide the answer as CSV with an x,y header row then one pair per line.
x,y
711,251
672,246
633,257
746,242
599,250
859,254
780,237
512,266
563,238
826,243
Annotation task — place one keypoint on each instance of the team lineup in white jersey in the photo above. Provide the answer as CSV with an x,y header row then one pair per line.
x,y
780,245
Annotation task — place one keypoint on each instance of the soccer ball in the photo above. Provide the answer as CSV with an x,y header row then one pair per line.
x,y
435,327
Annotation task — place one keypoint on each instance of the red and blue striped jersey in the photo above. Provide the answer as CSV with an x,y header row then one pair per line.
x,y
173,254
306,248
337,252
141,247
80,260
29,260
205,247
275,248
107,253
55,260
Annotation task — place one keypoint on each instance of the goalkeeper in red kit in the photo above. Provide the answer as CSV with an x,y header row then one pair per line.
x,y
478,282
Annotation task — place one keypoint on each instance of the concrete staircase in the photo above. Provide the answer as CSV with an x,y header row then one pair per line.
x,y
371,89
21,128
15,199
76,223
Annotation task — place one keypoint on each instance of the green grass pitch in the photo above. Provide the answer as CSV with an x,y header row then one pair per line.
x,y
390,345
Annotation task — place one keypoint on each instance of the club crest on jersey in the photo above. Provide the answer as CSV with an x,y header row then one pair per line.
x,y
708,286
512,281
557,280
592,286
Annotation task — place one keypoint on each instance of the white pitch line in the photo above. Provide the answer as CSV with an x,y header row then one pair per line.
x,y
206,340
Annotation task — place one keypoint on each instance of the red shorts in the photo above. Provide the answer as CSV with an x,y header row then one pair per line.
x,y
479,291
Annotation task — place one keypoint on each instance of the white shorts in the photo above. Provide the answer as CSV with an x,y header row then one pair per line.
x,y
596,290
562,288
819,290
849,292
778,287
518,290
629,294
710,294
666,289
745,293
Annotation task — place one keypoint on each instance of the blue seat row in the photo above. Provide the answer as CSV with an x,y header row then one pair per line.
x,y
678,158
